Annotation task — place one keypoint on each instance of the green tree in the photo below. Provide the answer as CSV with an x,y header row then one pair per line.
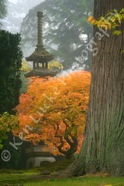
x,y
10,63
64,23
7,123
103,146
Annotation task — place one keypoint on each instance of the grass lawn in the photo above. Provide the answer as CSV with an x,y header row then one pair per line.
x,y
35,179
38,177
89,181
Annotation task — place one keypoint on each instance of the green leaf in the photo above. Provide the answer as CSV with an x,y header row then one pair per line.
x,y
117,32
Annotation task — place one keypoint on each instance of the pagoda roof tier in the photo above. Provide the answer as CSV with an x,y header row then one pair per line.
x,y
40,55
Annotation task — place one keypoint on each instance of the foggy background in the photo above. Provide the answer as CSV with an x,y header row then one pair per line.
x,y
66,31
16,11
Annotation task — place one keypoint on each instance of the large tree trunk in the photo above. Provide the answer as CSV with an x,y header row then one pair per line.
x,y
103,146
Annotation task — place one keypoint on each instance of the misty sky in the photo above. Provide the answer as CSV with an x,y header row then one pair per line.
x,y
16,12
13,1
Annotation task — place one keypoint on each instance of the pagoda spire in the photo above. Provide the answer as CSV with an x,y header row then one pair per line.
x,y
39,30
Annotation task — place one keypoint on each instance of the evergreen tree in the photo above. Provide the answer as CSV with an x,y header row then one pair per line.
x,y
10,63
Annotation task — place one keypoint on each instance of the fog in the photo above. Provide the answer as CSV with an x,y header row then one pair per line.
x,y
16,11
61,26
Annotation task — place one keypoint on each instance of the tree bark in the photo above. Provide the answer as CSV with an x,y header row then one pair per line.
x,y
103,146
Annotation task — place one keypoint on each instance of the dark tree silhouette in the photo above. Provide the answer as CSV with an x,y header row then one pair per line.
x,y
10,63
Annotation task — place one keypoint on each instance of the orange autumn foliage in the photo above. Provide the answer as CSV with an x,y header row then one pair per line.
x,y
53,110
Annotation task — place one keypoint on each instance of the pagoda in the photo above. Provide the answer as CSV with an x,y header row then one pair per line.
x,y
41,57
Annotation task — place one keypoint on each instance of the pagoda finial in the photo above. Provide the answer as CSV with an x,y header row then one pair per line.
x,y
39,34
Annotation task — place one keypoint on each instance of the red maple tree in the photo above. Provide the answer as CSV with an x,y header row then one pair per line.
x,y
53,110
